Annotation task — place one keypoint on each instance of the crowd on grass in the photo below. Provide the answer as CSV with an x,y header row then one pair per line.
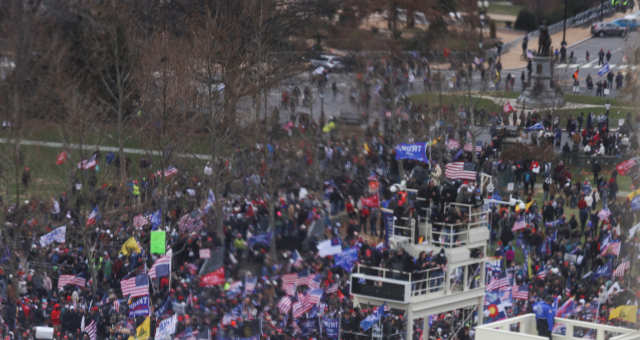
x,y
248,264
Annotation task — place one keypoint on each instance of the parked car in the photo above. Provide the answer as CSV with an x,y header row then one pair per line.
x,y
602,29
330,62
629,24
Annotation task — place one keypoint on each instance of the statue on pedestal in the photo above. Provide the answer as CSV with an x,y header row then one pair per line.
x,y
544,42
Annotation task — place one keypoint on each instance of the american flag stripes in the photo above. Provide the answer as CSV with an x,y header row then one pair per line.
x,y
333,288
460,170
612,248
116,305
163,260
312,298
135,286
289,283
64,280
520,292
304,280
469,148
622,267
88,163
519,225
92,330
498,283
542,274
297,310
284,305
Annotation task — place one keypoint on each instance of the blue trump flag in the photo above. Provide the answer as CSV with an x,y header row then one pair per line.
x,y
331,328
346,258
604,70
536,126
264,239
415,151
374,317
635,203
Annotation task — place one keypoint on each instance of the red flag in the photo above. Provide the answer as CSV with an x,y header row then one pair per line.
x,y
446,52
624,167
62,157
371,202
214,278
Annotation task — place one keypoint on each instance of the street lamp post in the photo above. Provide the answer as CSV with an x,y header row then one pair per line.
x,y
482,9
564,24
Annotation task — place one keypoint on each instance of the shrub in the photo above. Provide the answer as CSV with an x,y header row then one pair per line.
x,y
526,21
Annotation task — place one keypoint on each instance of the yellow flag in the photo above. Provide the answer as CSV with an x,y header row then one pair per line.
x,y
633,194
130,246
143,332
366,148
526,207
626,313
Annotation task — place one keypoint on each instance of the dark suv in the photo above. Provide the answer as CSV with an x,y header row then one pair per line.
x,y
602,29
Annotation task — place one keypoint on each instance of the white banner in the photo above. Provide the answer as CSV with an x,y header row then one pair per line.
x,y
166,328
56,235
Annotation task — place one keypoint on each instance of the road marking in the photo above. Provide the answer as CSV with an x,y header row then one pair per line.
x,y
561,65
589,64
574,65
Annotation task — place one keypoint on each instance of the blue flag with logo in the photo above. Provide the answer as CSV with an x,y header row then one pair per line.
x,y
604,70
264,239
371,319
415,151
346,258
331,327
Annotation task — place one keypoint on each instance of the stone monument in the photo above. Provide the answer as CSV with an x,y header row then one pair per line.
x,y
541,91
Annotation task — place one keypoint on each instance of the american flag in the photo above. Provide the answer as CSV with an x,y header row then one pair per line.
x,y
92,330
297,309
542,274
612,248
304,280
468,147
284,305
622,267
519,225
163,260
333,288
170,171
135,286
289,283
460,170
64,280
453,144
520,292
93,217
498,283
88,163
312,298
116,305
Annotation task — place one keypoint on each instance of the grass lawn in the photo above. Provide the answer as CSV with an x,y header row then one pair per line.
x,y
432,99
101,134
503,8
48,179
616,113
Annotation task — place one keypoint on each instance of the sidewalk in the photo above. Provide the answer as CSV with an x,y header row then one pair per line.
x,y
512,59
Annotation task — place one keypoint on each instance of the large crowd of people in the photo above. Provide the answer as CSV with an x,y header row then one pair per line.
x,y
248,264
